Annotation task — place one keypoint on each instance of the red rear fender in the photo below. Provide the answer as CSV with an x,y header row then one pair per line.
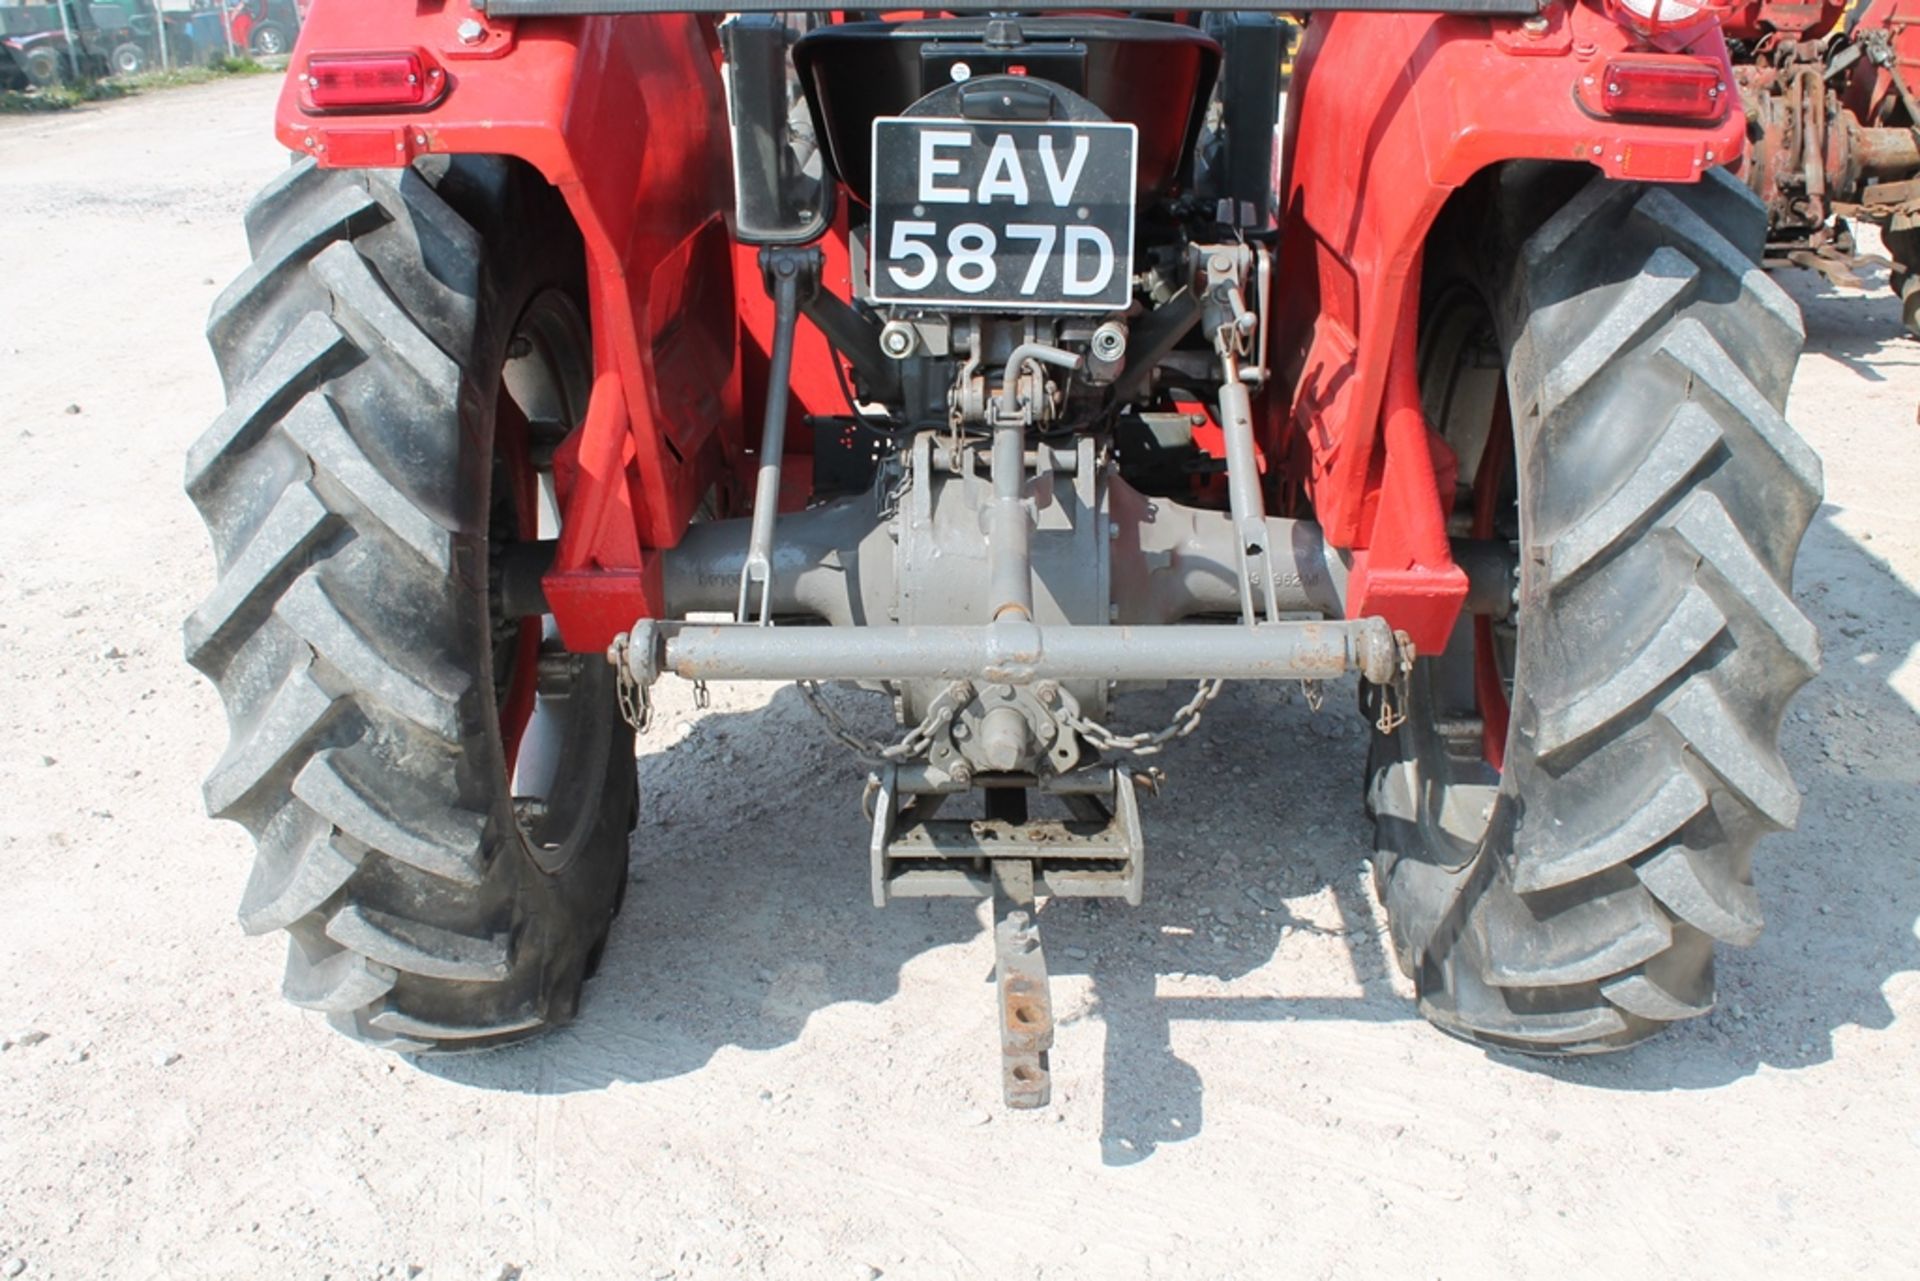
x,y
627,118
1389,114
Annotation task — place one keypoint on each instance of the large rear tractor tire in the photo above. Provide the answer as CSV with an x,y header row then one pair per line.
x,y
439,793
1565,821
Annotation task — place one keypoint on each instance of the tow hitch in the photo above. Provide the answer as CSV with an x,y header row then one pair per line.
x,y
1097,851
1005,723
1002,654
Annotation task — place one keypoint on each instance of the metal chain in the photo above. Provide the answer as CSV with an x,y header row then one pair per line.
x,y
636,703
1184,722
917,740
1392,718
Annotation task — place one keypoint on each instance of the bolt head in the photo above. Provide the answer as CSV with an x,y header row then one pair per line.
x,y
471,31
897,339
1535,26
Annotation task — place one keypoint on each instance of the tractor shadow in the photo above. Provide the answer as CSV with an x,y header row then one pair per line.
x,y
1859,328
1841,893
748,911
1258,907
747,902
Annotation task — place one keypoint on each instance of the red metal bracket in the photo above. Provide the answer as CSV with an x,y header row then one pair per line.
x,y
602,579
1406,572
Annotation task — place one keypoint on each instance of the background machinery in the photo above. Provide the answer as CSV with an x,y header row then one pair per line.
x,y
1834,131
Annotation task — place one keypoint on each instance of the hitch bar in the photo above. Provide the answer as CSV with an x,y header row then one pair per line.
x,y
1014,652
1010,857
1020,978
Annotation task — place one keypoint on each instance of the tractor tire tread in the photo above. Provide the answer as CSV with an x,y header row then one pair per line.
x,y
340,630
1644,761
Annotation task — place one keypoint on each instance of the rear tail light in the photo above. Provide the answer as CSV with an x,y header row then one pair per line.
x,y
1656,17
371,81
1678,88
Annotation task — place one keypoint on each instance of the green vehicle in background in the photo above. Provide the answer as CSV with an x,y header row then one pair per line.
x,y
114,39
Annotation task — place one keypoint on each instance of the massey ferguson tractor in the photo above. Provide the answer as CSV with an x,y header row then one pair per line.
x,y
1834,131
1006,365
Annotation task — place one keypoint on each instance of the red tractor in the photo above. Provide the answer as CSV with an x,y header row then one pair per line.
x,y
1834,131
1006,364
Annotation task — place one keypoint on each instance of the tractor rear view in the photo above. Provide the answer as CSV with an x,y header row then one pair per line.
x,y
1004,365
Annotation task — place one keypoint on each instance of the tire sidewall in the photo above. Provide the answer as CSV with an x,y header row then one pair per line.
x,y
1480,274
575,902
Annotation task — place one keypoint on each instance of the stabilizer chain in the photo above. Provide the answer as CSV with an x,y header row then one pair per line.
x,y
1147,742
917,740
636,702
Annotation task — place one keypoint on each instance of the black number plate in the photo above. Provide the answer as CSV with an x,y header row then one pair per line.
x,y
990,214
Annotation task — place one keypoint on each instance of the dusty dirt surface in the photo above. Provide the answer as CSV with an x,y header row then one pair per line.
x,y
769,1076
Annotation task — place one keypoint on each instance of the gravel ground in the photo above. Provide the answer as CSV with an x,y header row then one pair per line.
x,y
770,1077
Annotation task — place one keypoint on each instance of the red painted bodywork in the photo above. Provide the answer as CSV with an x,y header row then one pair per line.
x,y
627,118
1870,92
1757,18
1388,115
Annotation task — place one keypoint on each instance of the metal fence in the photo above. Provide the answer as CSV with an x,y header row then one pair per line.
x,y
44,44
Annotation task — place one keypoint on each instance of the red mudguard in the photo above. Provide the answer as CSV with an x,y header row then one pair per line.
x,y
627,118
1389,114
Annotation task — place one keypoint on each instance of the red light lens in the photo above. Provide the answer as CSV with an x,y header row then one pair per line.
x,y
337,82
1688,88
